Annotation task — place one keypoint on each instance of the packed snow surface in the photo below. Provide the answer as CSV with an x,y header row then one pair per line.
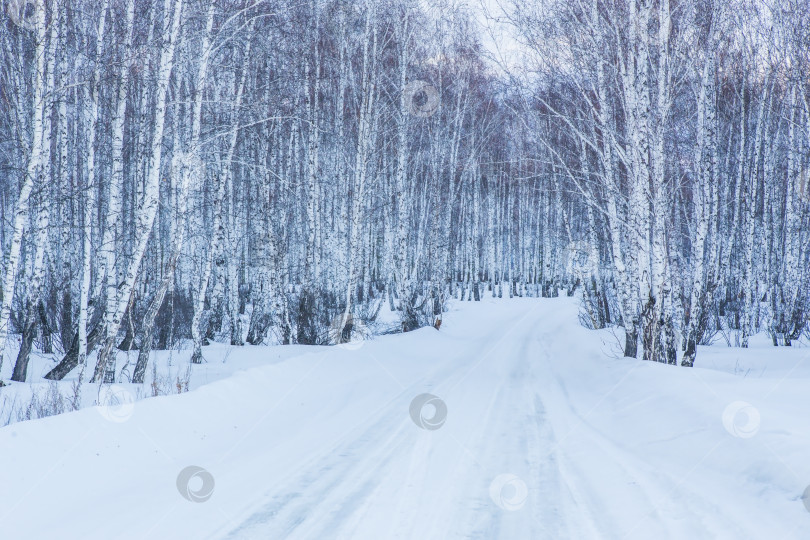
x,y
533,427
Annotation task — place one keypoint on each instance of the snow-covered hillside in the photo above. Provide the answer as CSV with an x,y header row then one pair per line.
x,y
534,428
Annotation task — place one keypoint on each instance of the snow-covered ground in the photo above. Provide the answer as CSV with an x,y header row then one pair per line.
x,y
535,429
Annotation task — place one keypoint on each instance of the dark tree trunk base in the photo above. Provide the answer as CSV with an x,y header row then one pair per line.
x,y
631,342
71,358
28,332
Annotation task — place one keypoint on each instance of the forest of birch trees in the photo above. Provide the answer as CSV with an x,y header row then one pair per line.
x,y
178,172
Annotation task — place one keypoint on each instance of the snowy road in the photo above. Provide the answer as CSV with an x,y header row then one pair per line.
x,y
545,436
387,478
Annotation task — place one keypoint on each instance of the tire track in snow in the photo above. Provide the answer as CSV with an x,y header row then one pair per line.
x,y
297,513
508,405
661,500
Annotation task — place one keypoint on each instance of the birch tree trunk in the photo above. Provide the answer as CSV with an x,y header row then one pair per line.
x,y
190,170
12,259
364,141
222,179
701,193
147,209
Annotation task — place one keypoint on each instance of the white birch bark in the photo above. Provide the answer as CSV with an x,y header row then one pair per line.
x,y
364,141
147,208
110,243
218,237
20,216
